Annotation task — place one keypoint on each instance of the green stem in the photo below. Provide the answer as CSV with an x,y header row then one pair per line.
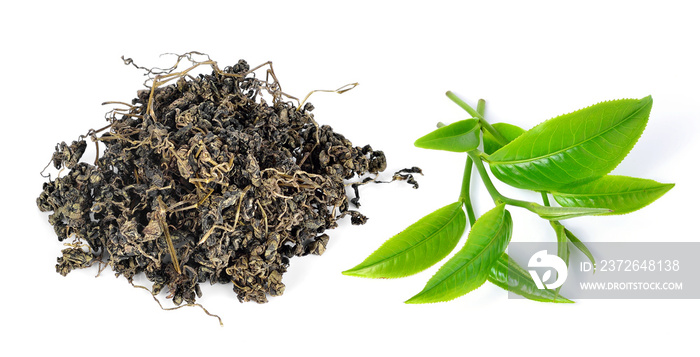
x,y
464,194
480,106
545,198
476,114
495,195
562,240
548,213
496,134
463,105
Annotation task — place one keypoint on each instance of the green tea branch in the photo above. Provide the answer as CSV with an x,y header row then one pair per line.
x,y
569,157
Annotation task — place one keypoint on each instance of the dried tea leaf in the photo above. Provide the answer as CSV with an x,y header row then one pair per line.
x,y
203,178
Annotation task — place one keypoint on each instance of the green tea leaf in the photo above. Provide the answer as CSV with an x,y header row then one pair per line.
x,y
563,251
562,213
582,247
619,193
562,242
461,136
509,131
469,268
508,275
418,247
573,148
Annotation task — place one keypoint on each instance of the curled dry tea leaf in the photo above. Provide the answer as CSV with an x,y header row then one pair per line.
x,y
461,136
203,178
573,148
621,194
417,248
469,268
507,274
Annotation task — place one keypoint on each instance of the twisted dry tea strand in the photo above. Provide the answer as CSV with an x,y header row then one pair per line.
x,y
202,172
166,233
569,157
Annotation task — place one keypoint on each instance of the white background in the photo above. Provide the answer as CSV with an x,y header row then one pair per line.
x,y
530,60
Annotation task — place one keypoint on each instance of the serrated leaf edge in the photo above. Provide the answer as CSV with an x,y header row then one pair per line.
x,y
558,299
357,268
501,227
663,187
578,143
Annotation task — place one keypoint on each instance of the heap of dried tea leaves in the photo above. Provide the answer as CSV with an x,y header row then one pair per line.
x,y
203,180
